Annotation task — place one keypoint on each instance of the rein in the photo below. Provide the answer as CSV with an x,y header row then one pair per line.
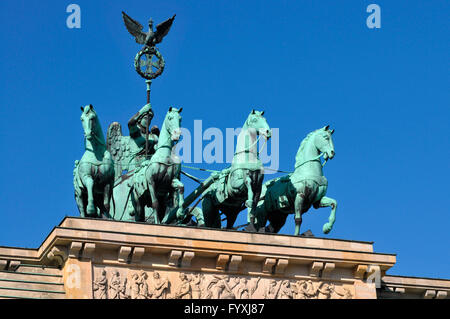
x,y
247,150
312,160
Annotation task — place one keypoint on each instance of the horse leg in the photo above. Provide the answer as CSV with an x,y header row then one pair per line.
x,y
327,202
231,217
179,188
276,222
162,209
89,182
210,213
77,183
80,204
107,192
155,204
257,190
136,205
260,217
198,214
140,213
299,199
249,203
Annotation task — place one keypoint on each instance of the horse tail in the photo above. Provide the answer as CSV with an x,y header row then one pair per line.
x,y
113,207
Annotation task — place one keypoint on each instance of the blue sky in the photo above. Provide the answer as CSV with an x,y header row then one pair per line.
x,y
306,63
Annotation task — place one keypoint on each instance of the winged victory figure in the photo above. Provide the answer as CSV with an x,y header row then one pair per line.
x,y
129,151
150,38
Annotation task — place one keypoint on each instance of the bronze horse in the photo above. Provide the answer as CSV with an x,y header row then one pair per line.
x,y
239,186
157,180
298,191
94,173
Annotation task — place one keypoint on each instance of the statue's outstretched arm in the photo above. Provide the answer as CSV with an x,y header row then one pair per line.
x,y
132,123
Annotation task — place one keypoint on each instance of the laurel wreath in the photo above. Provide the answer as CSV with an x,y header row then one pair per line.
x,y
137,63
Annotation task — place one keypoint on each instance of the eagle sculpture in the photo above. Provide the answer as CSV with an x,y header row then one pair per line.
x,y
150,38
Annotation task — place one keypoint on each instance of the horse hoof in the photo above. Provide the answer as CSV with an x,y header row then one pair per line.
x,y
180,214
251,228
262,230
269,229
91,210
326,229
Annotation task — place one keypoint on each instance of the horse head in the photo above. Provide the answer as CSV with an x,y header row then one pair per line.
x,y
91,125
324,142
172,123
258,122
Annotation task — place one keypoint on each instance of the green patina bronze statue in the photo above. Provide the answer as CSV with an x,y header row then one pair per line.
x,y
157,181
239,186
150,38
94,173
143,61
137,177
298,191
128,152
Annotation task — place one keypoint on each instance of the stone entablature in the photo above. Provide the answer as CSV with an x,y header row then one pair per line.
x,y
110,259
413,287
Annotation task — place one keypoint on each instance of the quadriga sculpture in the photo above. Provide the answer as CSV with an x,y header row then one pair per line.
x,y
240,185
298,191
94,173
157,181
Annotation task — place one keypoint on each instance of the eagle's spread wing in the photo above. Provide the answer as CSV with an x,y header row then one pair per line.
x,y
135,28
163,28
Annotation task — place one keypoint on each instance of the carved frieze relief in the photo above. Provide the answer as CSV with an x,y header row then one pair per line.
x,y
124,283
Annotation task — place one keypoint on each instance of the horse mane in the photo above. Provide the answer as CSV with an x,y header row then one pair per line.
x,y
306,139
99,130
163,129
98,126
304,142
